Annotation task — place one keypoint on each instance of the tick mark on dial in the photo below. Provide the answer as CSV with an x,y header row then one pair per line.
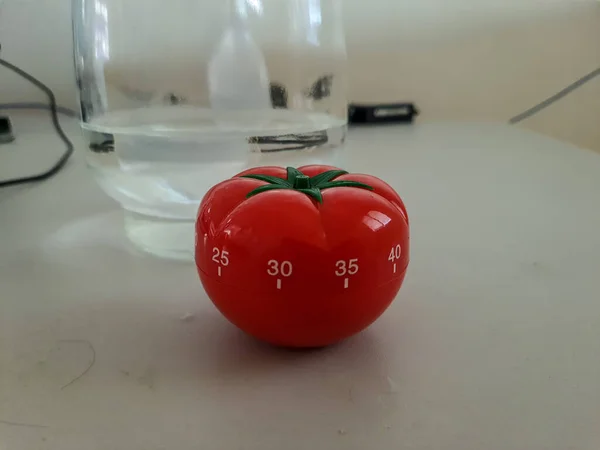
x,y
345,283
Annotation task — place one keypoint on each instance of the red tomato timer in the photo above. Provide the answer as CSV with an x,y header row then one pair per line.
x,y
302,257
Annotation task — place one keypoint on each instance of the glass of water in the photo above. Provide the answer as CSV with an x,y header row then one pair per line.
x,y
177,96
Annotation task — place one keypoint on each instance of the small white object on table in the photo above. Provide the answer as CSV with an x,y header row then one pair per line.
x,y
493,343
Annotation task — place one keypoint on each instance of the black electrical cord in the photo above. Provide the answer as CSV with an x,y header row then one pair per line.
x,y
55,122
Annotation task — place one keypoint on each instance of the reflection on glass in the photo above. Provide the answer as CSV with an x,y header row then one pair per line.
x,y
256,5
101,47
314,21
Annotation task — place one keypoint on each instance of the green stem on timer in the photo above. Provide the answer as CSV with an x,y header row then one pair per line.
x,y
297,181
302,182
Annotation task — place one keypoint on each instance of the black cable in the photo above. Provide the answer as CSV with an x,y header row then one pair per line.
x,y
554,98
36,106
55,122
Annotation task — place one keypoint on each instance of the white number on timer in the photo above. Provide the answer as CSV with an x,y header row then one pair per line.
x,y
221,257
395,253
277,269
345,268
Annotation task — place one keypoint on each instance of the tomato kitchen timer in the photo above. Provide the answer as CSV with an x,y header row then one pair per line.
x,y
302,257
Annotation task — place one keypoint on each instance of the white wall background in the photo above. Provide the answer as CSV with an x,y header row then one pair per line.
x,y
458,59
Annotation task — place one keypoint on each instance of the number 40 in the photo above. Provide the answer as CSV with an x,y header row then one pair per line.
x,y
395,253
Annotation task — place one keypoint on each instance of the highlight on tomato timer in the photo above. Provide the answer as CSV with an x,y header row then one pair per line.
x,y
302,257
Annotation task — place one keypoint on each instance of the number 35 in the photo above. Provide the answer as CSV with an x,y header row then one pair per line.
x,y
346,267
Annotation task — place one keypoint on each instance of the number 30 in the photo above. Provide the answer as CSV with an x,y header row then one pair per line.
x,y
275,269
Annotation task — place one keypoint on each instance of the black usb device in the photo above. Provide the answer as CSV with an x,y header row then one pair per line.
x,y
382,113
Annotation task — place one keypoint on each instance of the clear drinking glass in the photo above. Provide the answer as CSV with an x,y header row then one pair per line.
x,y
176,96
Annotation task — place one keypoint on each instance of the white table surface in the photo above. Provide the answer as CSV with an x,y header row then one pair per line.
x,y
493,343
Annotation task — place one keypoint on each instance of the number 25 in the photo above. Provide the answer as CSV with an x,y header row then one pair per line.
x,y
220,257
